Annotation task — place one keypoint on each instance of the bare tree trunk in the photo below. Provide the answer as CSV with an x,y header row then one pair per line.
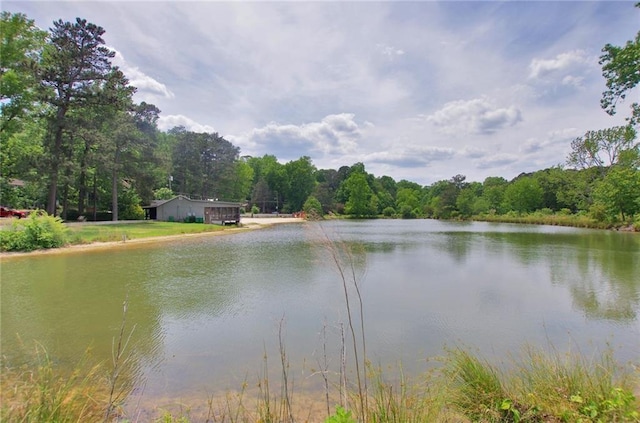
x,y
82,180
114,195
95,196
53,190
114,187
52,195
65,200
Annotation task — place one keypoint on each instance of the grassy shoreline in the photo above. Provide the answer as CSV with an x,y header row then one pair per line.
x,y
107,234
538,386
569,220
90,236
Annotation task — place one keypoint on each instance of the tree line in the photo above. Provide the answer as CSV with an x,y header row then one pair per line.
x,y
74,142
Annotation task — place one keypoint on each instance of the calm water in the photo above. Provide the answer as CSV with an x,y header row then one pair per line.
x,y
204,311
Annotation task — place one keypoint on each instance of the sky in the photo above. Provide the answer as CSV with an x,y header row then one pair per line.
x,y
420,90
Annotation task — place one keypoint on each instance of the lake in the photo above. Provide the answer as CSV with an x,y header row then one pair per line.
x,y
203,312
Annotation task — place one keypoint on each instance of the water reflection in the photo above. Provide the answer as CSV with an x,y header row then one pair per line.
x,y
206,309
54,302
599,268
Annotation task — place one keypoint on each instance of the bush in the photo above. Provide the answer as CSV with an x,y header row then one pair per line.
x,y
598,211
407,212
312,207
388,211
129,206
39,230
132,212
545,211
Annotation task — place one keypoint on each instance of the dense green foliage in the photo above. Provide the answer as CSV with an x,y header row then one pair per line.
x,y
620,68
37,231
73,141
312,207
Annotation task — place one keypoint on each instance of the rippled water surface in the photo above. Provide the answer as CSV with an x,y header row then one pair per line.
x,y
204,311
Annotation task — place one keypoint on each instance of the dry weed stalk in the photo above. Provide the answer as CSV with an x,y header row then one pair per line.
x,y
119,360
343,259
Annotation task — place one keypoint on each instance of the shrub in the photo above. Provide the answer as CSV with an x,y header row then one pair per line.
x,y
388,211
407,212
39,230
312,207
132,212
129,206
598,211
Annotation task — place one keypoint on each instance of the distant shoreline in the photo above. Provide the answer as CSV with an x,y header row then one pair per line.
x,y
248,223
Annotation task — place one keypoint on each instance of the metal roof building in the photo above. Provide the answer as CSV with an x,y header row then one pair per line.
x,y
184,209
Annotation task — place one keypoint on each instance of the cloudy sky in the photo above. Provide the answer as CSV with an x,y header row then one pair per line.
x,y
418,90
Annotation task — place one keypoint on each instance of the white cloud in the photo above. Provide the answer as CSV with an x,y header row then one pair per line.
x,y
563,63
389,51
171,121
557,137
415,156
562,76
275,78
147,86
473,152
477,116
497,161
336,134
576,81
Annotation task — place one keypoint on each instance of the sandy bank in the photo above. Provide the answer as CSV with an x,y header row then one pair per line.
x,y
245,225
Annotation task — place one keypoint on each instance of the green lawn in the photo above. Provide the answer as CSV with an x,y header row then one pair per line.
x,y
90,232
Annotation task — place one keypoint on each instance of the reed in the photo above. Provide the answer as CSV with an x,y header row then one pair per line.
x,y
542,386
42,393
535,386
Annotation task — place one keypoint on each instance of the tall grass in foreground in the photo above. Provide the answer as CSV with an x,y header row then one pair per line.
x,y
543,387
342,256
539,386
41,393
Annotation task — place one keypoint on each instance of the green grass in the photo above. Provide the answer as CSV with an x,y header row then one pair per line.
x,y
42,393
88,233
542,386
573,220
537,386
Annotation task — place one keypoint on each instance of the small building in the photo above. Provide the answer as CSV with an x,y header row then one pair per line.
x,y
184,209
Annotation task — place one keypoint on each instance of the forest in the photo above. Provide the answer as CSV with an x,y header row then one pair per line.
x,y
74,142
